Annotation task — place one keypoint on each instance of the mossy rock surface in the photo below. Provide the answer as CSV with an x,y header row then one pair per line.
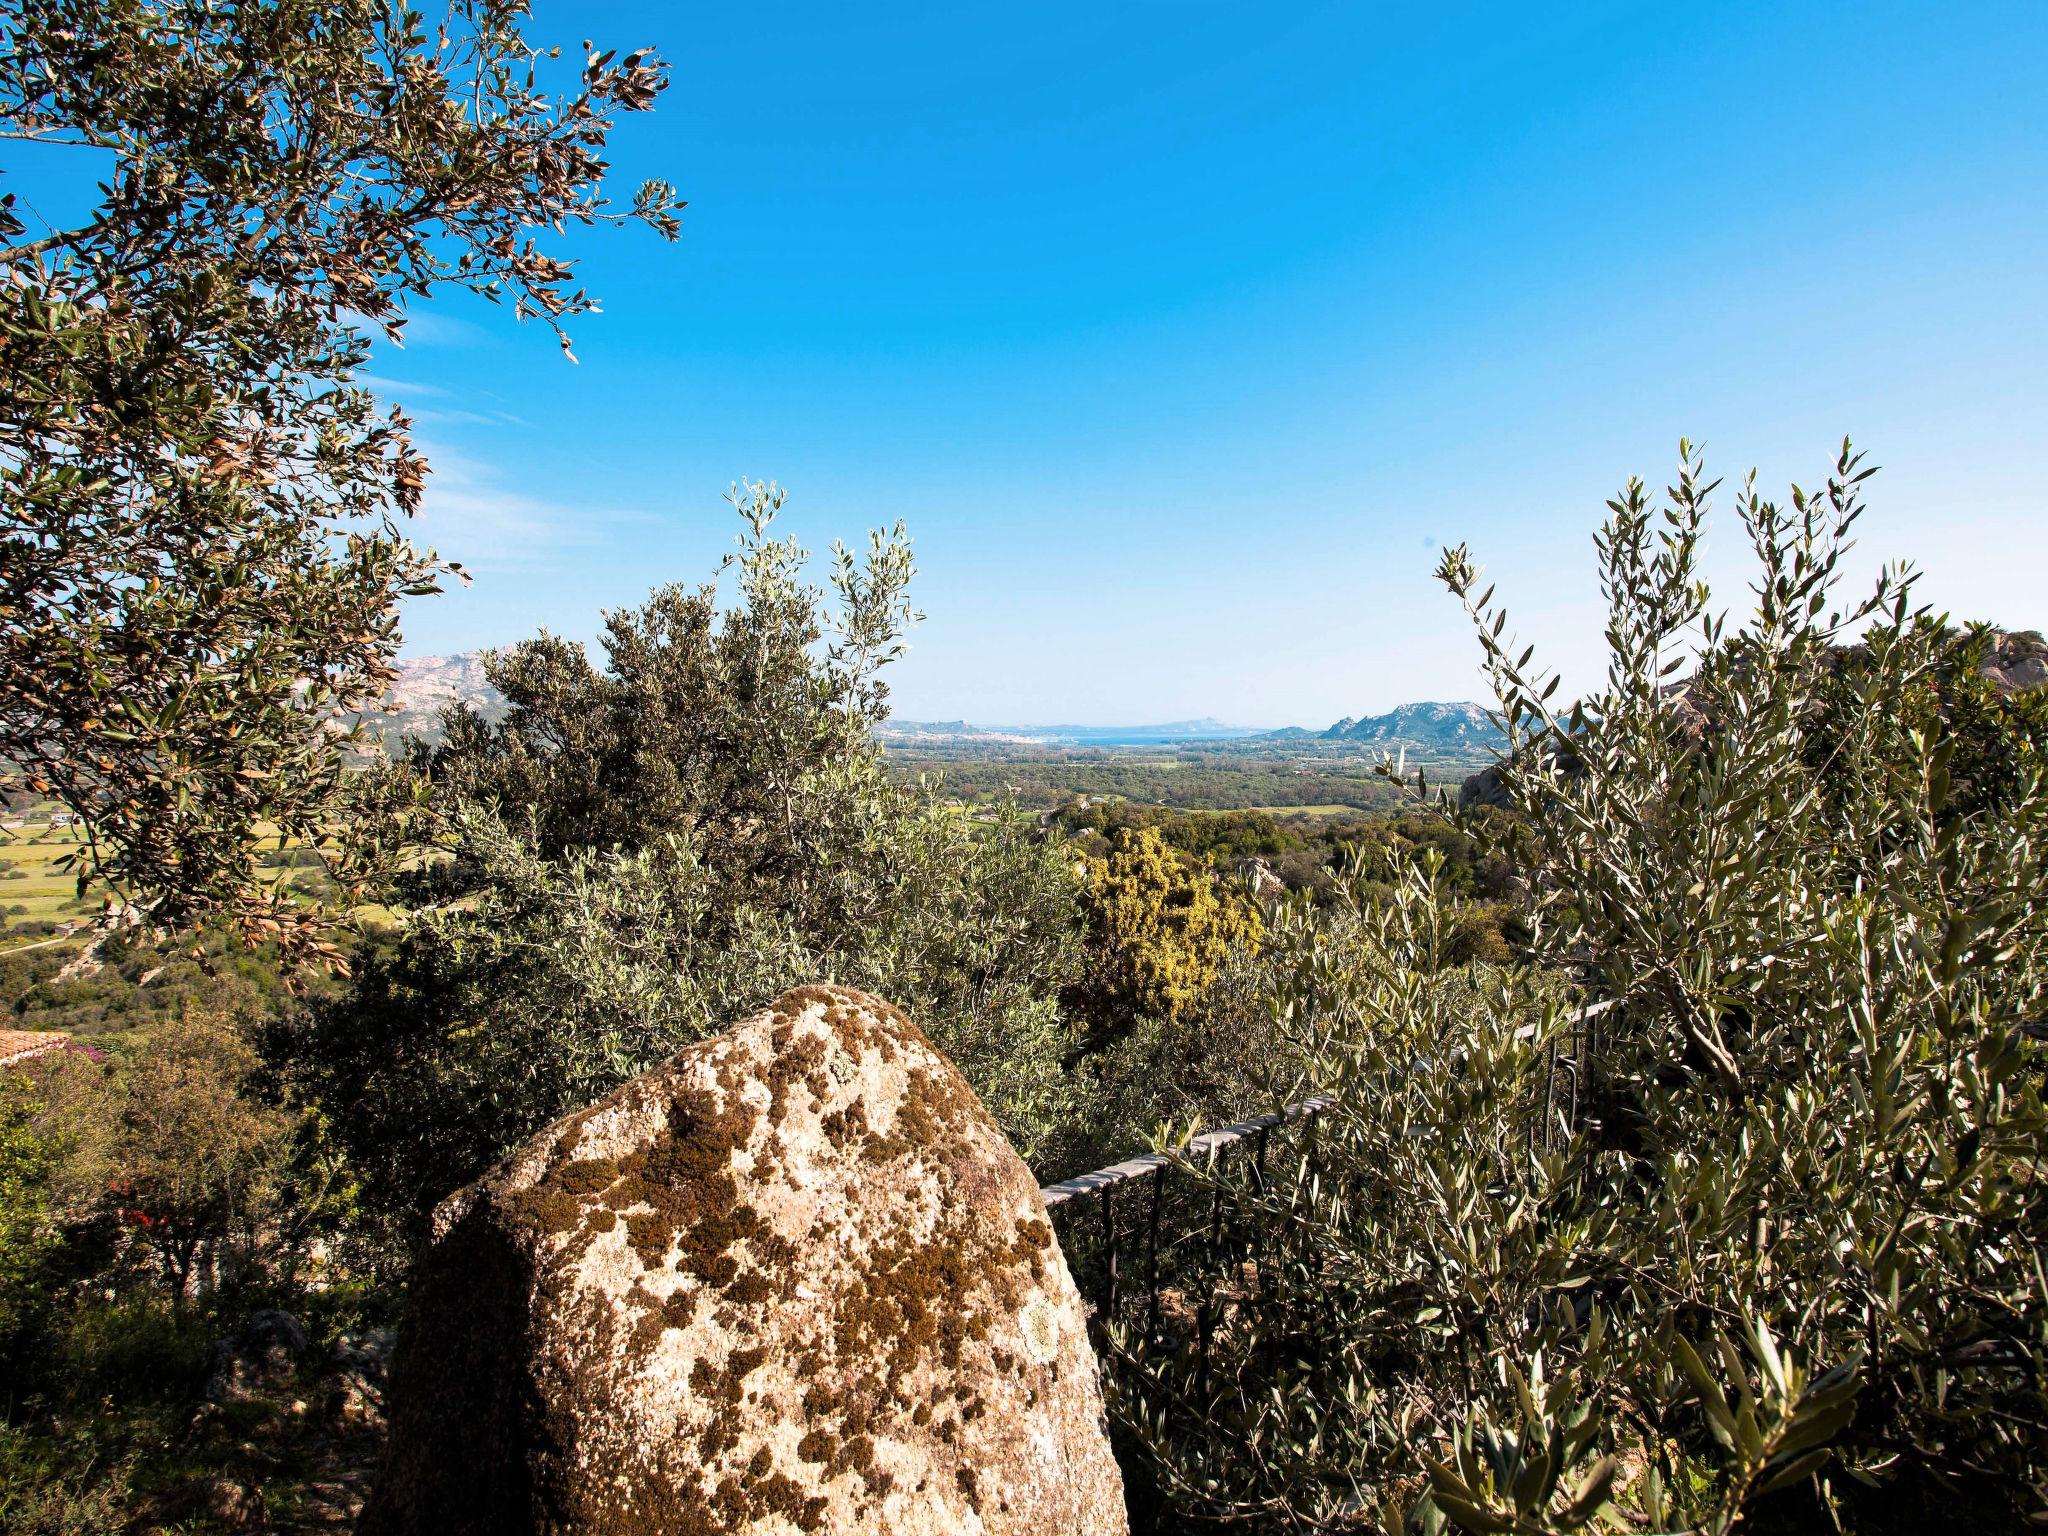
x,y
793,1280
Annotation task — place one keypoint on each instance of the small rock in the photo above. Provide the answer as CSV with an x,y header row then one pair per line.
x,y
359,1367
263,1355
233,1503
1261,880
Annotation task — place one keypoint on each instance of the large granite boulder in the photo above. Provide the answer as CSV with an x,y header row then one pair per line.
x,y
793,1280
2017,660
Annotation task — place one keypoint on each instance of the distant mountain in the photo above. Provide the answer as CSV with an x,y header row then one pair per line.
x,y
1460,728
427,684
1427,725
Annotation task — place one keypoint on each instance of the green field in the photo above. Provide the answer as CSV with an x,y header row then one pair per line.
x,y
33,889
132,979
1311,778
36,894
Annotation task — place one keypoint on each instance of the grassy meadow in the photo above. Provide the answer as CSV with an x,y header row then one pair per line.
x,y
128,981
35,888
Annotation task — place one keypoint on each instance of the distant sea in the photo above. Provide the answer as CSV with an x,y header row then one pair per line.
x,y
1139,736
1170,733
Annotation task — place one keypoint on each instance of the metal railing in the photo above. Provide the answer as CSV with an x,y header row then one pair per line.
x,y
1197,1245
1107,1248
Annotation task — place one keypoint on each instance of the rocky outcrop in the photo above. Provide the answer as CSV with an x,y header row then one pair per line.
x,y
1486,787
261,1356
1260,879
794,1280
2016,661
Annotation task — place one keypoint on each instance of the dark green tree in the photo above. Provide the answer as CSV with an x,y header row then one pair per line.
x,y
706,723
202,507
639,855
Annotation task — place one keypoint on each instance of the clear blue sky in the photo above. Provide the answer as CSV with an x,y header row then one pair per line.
x,y
1182,334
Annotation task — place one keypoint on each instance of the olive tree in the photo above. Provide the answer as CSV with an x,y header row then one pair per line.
x,y
1761,1241
202,503
640,854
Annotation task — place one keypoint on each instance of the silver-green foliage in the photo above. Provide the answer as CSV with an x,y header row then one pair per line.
x,y
638,857
1769,1229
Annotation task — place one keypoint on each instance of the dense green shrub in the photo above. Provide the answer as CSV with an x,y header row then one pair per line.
x,y
27,1222
108,1433
561,978
640,856
75,1482
1783,1262
1160,927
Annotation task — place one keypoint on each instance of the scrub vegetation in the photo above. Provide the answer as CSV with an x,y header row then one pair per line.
x,y
1777,1265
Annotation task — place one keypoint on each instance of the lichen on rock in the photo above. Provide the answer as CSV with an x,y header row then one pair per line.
x,y
793,1280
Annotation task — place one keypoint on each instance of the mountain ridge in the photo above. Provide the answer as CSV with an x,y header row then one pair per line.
x,y
1429,722
427,684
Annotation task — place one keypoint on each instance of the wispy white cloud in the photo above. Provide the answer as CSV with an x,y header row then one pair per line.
x,y
474,411
434,416
471,514
401,388
429,416
430,330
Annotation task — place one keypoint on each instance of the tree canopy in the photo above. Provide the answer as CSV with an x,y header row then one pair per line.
x,y
202,504
1757,1243
643,852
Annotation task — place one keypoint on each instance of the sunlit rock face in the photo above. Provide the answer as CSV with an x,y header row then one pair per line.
x,y
793,1280
2017,660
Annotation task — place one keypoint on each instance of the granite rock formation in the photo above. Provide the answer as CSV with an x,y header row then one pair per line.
x,y
793,1280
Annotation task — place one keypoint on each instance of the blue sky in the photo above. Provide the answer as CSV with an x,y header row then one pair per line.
x,y
1182,334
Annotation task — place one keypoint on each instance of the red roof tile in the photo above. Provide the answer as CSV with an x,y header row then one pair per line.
x,y
21,1044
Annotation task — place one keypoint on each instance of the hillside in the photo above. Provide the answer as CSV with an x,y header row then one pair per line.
x,y
428,684
1427,724
425,683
